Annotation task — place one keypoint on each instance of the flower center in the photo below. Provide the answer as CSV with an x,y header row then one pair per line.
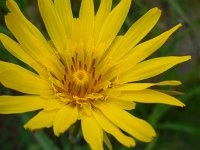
x,y
80,78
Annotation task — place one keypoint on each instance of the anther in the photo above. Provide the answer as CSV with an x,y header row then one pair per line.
x,y
95,82
92,65
63,82
66,70
73,60
72,68
85,67
99,78
65,77
80,64
93,73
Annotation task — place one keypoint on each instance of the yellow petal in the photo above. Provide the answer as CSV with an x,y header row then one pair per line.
x,y
24,36
20,104
34,44
64,10
31,40
109,127
112,25
44,119
127,105
172,83
112,71
86,16
136,127
143,50
19,17
151,68
136,33
92,132
53,104
15,49
64,119
102,13
150,96
17,78
142,86
13,7
53,24
76,30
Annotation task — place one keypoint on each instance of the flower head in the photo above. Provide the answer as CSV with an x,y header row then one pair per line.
x,y
85,71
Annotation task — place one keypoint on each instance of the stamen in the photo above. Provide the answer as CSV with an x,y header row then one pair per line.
x,y
72,68
80,64
85,67
92,66
63,82
73,60
66,70
95,82
99,78
93,73
65,77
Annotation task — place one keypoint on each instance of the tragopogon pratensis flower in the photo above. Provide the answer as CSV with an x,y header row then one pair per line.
x,y
85,71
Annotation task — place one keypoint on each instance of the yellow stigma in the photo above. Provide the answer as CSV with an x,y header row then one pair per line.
x,y
80,78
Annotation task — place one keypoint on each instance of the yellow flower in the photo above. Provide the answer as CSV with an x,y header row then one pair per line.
x,y
85,71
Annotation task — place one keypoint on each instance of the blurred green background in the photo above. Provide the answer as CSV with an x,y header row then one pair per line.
x,y
177,128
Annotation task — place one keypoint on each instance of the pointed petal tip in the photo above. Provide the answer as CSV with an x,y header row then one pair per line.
x,y
27,127
182,105
11,5
152,133
30,129
179,25
152,137
178,82
182,59
8,2
132,143
186,58
56,133
175,28
156,10
179,104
